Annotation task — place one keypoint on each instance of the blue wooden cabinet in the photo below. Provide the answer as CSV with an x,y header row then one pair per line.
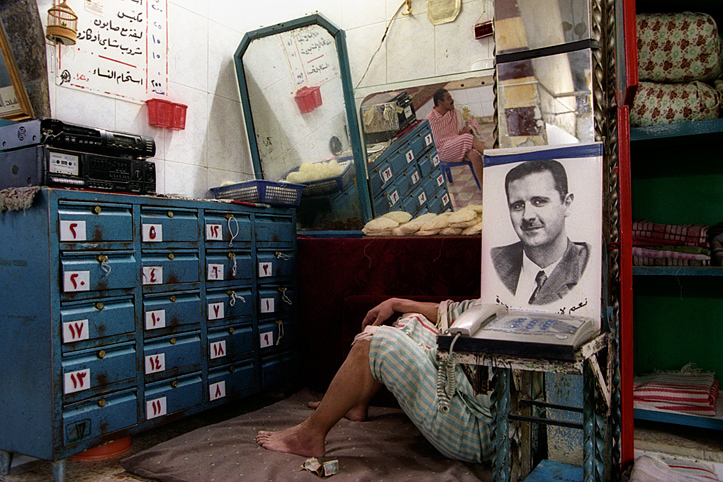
x,y
406,176
122,312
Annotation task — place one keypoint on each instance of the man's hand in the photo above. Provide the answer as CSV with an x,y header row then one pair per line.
x,y
379,314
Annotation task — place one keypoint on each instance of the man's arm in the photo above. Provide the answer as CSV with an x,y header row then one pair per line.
x,y
384,310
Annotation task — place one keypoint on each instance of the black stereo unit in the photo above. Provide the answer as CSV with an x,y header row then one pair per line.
x,y
49,166
52,132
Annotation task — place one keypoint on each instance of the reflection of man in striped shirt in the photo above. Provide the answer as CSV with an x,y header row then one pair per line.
x,y
454,144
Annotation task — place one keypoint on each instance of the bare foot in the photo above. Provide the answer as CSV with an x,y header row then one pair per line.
x,y
295,440
356,414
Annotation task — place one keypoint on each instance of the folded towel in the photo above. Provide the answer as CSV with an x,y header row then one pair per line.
x,y
651,256
687,391
646,232
655,468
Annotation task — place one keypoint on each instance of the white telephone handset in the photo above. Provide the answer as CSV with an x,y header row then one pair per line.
x,y
473,318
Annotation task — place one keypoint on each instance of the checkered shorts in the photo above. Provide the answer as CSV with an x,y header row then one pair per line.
x,y
403,358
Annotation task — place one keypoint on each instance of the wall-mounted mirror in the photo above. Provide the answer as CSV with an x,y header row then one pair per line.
x,y
300,117
390,120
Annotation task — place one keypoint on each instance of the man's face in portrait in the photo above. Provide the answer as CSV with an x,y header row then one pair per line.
x,y
537,209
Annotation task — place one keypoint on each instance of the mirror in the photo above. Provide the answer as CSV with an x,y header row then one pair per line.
x,y
300,118
14,101
473,96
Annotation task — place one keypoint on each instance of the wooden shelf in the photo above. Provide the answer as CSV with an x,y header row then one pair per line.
x,y
677,271
714,423
705,131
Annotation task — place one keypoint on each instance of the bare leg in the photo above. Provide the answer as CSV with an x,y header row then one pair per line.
x,y
358,413
352,386
477,163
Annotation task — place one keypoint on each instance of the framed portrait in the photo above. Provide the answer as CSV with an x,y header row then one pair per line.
x,y
542,228
14,102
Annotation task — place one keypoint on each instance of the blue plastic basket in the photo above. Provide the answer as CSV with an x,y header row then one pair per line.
x,y
261,191
330,185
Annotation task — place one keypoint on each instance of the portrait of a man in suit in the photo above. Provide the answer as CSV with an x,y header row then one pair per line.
x,y
544,265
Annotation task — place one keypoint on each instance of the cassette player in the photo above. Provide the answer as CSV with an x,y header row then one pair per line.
x,y
52,132
43,165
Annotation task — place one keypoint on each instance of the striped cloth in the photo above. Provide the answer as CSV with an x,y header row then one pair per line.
x,y
668,257
403,357
657,468
646,232
686,391
451,145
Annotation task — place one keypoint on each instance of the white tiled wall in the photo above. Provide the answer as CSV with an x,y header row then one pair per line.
x,y
202,38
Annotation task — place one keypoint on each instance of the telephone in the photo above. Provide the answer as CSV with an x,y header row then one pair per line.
x,y
475,317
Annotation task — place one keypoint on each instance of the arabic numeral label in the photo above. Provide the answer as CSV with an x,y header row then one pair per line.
x,y
156,408
428,140
422,198
72,231
217,390
415,177
410,156
76,381
393,198
386,175
435,160
440,180
155,363
445,199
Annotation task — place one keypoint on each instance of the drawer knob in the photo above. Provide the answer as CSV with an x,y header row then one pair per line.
x,y
172,298
102,258
228,216
232,369
101,354
174,384
99,305
171,256
231,255
173,341
96,210
231,330
101,402
169,214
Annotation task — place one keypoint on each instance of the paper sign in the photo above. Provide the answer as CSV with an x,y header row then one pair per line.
x,y
217,390
75,331
215,311
156,408
155,319
155,363
218,350
76,381
76,281
214,232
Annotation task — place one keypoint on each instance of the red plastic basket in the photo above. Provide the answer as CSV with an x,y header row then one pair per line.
x,y
164,113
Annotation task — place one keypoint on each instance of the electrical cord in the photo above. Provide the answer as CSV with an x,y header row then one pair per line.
x,y
447,379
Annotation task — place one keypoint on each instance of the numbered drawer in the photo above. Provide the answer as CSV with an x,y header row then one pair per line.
x,y
171,355
435,206
414,201
229,266
439,179
278,334
389,200
96,370
226,306
238,379
94,418
169,268
164,313
428,162
408,180
279,369
421,139
276,300
275,265
276,231
167,225
227,230
93,271
430,187
230,343
402,158
95,223
380,175
91,320
170,396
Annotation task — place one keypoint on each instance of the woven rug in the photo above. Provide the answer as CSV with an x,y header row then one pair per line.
x,y
386,447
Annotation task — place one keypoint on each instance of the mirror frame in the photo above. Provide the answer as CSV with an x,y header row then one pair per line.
x,y
349,103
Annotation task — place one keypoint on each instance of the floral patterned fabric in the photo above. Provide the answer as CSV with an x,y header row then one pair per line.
x,y
678,47
657,103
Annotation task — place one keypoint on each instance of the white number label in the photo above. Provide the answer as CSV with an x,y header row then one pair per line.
x,y
218,349
72,231
266,269
217,390
75,331
410,156
152,275
76,281
214,232
156,408
215,311
215,272
155,363
267,339
76,381
267,305
155,319
152,233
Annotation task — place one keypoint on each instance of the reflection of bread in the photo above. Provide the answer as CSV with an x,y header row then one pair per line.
x,y
476,229
398,216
